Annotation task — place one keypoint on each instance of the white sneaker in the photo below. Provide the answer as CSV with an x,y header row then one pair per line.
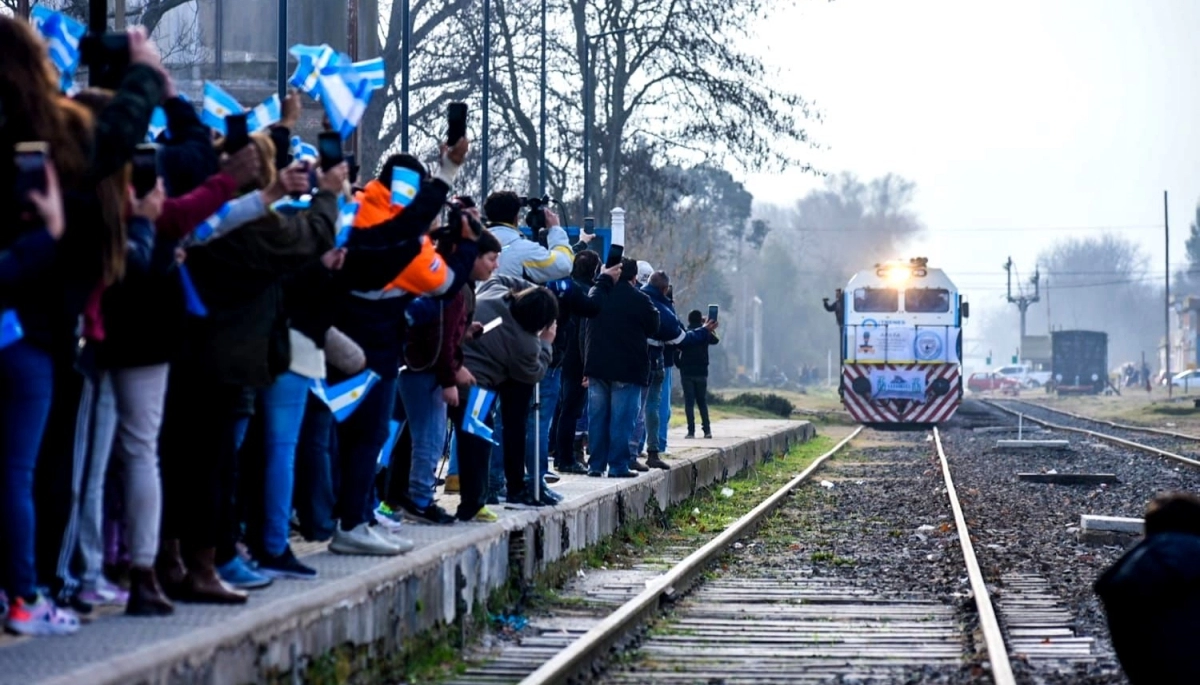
x,y
362,541
392,537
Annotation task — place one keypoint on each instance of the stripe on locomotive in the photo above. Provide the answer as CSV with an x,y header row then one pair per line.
x,y
865,410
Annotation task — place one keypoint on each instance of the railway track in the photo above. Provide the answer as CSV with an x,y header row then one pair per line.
x,y
1173,445
865,575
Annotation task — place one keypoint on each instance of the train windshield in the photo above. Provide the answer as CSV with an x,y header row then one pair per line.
x,y
927,300
876,300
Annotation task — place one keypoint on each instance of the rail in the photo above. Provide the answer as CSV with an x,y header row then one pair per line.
x,y
1114,424
595,643
993,639
1101,436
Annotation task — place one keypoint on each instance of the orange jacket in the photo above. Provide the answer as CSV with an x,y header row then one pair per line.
x,y
427,273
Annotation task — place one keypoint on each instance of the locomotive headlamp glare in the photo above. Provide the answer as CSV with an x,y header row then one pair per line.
x,y
898,274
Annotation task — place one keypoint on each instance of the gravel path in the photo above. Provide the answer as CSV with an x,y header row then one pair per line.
x,y
1181,446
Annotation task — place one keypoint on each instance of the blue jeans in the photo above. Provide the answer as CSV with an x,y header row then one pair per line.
x,y
612,409
496,480
549,388
316,473
26,374
653,411
664,415
426,413
637,435
283,402
360,439
452,467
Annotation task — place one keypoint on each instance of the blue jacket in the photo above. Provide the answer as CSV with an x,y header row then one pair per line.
x,y
670,331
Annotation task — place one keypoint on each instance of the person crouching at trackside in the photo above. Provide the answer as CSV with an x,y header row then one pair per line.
x,y
1152,596
693,372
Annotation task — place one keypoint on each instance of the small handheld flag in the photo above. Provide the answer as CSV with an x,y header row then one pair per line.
x,y
217,105
62,34
302,151
269,112
158,124
191,298
405,183
10,328
346,213
343,398
207,229
479,405
342,86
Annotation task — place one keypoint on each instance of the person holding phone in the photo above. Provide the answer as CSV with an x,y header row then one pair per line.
x,y
693,371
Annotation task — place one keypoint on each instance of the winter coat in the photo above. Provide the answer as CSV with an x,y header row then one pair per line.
x,y
693,360
670,330
527,259
507,352
616,348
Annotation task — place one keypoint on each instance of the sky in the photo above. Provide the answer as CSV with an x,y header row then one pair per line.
x,y
1021,122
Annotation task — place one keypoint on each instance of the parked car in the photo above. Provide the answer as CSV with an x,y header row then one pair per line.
x,y
1187,379
1024,375
991,381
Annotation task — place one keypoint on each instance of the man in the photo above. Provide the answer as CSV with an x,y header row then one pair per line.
x,y
1152,596
693,372
670,332
616,367
638,436
574,309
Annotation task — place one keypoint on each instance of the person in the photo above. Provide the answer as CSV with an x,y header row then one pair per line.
x,y
1151,595
509,361
519,256
637,442
693,371
574,311
670,332
616,367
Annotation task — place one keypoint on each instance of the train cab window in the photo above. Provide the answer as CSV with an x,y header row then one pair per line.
x,y
927,300
876,300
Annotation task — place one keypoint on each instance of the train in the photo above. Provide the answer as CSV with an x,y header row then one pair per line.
x,y
901,344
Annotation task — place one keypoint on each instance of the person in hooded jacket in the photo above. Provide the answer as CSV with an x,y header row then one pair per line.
x,y
574,310
1152,596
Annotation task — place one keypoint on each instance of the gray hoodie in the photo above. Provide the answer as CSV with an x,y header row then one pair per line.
x,y
508,351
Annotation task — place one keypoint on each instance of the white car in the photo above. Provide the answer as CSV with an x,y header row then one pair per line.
x,y
1187,379
1023,375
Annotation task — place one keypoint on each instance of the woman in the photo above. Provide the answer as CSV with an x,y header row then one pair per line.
x,y
229,356
50,298
509,361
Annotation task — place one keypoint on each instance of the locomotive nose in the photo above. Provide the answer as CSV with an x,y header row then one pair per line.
x,y
861,386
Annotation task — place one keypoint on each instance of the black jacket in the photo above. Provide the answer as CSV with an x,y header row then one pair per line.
x,y
693,360
573,307
1152,598
616,348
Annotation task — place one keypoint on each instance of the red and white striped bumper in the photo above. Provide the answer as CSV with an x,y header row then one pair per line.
x,y
935,408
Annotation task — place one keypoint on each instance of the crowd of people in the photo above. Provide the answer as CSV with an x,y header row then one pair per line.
x,y
259,345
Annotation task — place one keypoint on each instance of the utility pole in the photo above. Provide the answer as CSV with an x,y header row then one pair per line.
x,y
352,48
281,50
405,55
487,94
542,136
1167,295
1022,300
23,9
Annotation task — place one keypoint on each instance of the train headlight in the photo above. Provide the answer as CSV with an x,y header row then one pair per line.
x,y
898,274
940,387
1058,377
1095,378
861,386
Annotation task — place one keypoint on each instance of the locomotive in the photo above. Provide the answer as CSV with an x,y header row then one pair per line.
x,y
901,344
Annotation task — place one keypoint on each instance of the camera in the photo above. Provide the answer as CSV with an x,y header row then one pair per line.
x,y
535,218
451,232
107,57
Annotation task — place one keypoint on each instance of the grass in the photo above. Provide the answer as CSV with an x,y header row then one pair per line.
x,y
1134,406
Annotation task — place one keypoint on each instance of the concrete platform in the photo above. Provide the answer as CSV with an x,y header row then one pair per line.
x,y
376,604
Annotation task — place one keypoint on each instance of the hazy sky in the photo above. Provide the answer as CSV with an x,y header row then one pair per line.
x,y
1028,116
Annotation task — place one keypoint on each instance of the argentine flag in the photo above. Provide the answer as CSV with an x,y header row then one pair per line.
x,y
269,112
206,230
343,398
62,35
10,328
372,72
405,183
479,405
346,213
191,296
158,124
302,150
291,205
217,105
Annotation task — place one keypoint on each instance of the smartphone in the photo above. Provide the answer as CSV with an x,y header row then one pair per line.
x,y
456,117
352,165
329,147
30,158
281,137
712,312
236,134
589,225
145,169
615,253
492,325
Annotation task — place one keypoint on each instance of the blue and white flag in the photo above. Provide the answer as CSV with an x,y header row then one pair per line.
x,y
479,405
10,328
269,112
217,105
373,72
346,213
210,225
302,151
62,34
343,87
385,454
405,183
291,205
158,124
191,296
343,398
